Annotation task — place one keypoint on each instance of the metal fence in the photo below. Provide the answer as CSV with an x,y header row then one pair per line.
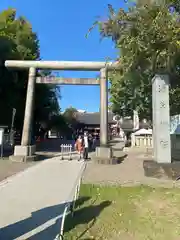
x,y
66,151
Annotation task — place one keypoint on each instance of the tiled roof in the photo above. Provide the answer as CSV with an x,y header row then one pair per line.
x,y
94,119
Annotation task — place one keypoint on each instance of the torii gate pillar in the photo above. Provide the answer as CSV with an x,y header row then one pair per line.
x,y
104,151
103,107
26,151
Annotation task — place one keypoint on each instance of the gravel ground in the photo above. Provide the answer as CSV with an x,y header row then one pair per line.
x,y
130,172
9,168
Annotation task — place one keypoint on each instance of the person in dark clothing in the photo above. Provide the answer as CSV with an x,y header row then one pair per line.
x,y
86,146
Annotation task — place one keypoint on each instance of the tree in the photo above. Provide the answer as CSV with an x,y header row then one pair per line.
x,y
18,41
59,123
148,39
46,101
70,115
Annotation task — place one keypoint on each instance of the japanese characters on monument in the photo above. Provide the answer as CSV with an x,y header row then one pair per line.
x,y
161,119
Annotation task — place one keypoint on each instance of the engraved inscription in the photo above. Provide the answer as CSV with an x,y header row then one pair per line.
x,y
162,104
72,81
162,88
164,143
163,122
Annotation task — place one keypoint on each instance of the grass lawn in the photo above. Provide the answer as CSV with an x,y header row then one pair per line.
x,y
127,213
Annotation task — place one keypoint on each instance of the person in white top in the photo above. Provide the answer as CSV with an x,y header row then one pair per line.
x,y
86,145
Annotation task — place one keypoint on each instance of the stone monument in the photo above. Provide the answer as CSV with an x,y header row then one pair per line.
x,y
161,119
162,166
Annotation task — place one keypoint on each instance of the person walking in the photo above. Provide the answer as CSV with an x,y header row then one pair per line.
x,y
85,145
79,147
94,143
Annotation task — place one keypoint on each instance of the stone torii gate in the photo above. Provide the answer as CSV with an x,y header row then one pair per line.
x,y
160,99
26,151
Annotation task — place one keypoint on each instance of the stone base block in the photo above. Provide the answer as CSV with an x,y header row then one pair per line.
x,y
161,170
107,161
104,152
23,158
104,155
24,150
24,154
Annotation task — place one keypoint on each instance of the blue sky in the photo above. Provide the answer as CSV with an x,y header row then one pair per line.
x,y
61,26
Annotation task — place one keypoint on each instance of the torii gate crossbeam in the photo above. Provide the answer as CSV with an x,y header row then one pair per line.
x,y
26,150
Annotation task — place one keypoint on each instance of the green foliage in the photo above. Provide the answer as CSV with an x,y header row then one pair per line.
x,y
17,36
148,39
18,41
70,116
59,123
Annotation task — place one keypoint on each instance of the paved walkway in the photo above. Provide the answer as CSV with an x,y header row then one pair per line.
x,y
32,202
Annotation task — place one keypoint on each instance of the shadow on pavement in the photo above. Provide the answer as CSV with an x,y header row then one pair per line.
x,y
38,219
41,157
82,216
85,216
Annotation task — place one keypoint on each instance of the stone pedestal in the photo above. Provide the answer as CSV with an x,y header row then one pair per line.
x,y
24,153
105,155
104,152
